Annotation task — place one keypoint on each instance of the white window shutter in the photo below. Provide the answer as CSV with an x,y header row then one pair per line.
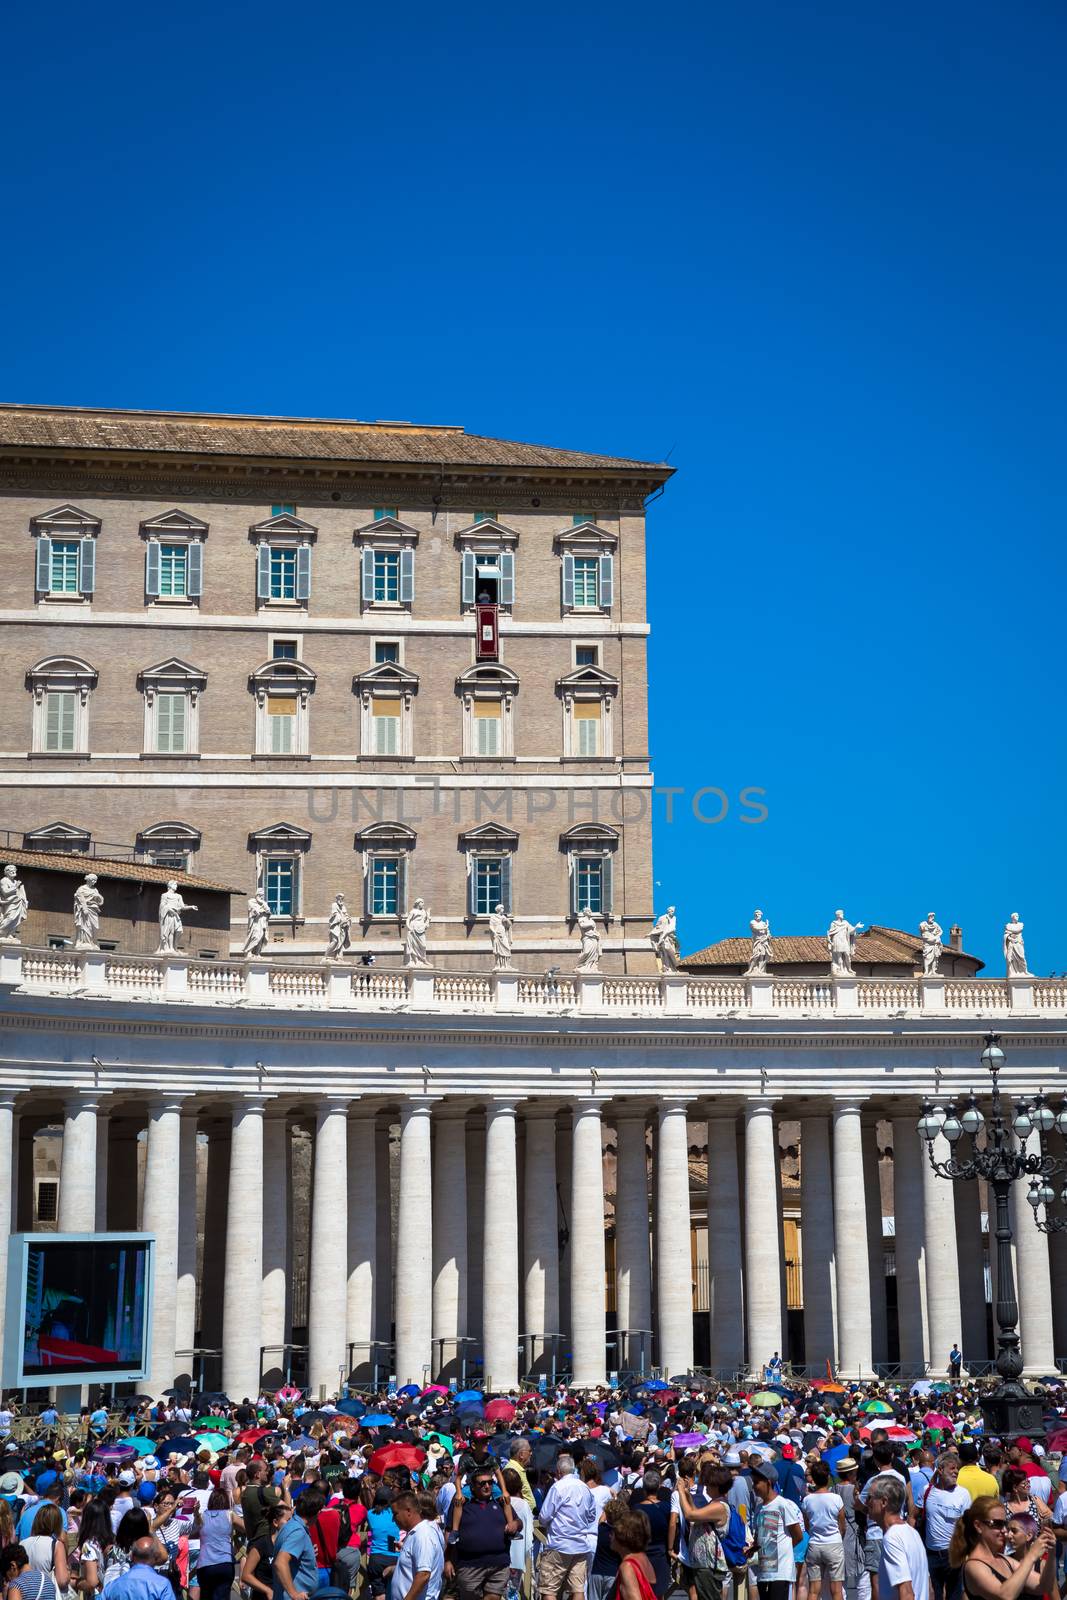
x,y
505,883
568,582
470,562
263,572
367,565
303,572
151,567
87,565
572,863
194,577
44,565
507,578
607,582
472,882
368,887
605,885
407,577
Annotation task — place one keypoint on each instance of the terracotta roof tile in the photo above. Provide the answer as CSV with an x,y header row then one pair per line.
x,y
876,943
290,438
139,871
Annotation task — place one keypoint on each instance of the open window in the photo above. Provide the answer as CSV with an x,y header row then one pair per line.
x,y
487,564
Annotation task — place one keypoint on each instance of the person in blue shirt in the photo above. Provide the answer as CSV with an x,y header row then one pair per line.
x,y
141,1581
98,1420
296,1572
50,1417
49,1490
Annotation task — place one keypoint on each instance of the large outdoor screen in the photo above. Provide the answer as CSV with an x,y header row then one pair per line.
x,y
78,1308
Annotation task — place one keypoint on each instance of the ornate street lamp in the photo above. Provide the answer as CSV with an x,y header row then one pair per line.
x,y
1010,1409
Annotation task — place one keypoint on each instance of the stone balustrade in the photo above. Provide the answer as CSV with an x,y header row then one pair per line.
x,y
337,986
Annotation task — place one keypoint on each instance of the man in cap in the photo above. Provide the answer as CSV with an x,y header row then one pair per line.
x,y
777,1529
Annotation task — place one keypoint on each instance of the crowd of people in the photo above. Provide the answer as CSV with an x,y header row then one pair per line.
x,y
823,1492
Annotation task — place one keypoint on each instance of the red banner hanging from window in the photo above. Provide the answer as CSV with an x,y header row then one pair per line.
x,y
487,647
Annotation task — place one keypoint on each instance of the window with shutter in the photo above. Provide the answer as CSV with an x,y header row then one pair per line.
x,y
589,884
60,717
384,886
385,721
386,576
488,884
367,567
281,719
43,580
607,582
407,577
568,582
280,885
587,727
87,565
196,570
282,572
64,566
469,575
507,578
586,571
151,568
487,727
303,572
170,724
173,573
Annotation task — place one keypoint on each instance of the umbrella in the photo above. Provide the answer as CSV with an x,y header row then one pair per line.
x,y
287,1392
468,1394
470,1411
214,1424
764,1451
765,1401
377,1419
524,1399
827,1386
941,1387
812,1439
435,1388
936,1419
212,1441
499,1411
252,1435
351,1408
922,1386
409,1389
687,1440
308,1417
604,1454
902,1435
215,1398
143,1446
169,1430
544,1452
501,1445
877,1408
832,1457
184,1445
116,1452
445,1441
185,1393
654,1384
397,1455
1057,1442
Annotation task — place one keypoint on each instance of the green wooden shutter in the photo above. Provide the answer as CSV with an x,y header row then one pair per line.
x,y
568,582
263,572
303,572
151,567
87,565
505,883
507,578
607,582
407,577
195,570
470,562
367,567
606,886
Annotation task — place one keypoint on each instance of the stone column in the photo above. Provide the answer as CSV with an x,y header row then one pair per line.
x,y
909,1158
185,1295
414,1246
853,1269
875,1244
8,1134
275,1243
327,1275
242,1300
942,1262
363,1202
500,1257
633,1272
725,1288
383,1238
818,1268
1033,1279
161,1211
673,1252
588,1319
77,1173
974,1341
540,1236
449,1237
763,1240
103,1134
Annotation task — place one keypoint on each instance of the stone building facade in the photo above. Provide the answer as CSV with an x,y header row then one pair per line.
x,y
319,656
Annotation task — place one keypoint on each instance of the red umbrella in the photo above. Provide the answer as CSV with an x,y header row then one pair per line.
x,y
524,1399
253,1435
905,1435
936,1419
1057,1442
499,1411
397,1455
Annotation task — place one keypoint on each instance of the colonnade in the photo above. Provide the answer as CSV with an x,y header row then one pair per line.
x,y
500,1240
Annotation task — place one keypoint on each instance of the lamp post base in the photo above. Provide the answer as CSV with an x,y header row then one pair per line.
x,y
1010,1410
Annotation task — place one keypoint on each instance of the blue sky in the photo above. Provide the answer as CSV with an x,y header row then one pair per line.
x,y
816,253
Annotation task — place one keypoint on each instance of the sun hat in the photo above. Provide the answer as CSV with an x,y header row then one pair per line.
x,y
846,1464
11,1483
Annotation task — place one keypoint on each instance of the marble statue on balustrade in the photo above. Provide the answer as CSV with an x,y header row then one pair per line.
x,y
339,926
416,927
762,949
88,904
1014,949
930,933
589,955
664,940
14,906
258,926
171,906
500,939
841,944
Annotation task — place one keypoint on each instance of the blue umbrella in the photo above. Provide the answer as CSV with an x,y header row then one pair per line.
x,y
501,1445
637,1409
351,1408
471,1413
378,1419
410,1389
832,1457
468,1394
655,1383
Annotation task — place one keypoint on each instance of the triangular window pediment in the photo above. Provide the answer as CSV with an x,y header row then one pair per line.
x,y
280,833
387,675
592,679
587,536
173,667
490,835
175,521
386,530
284,524
65,519
58,833
488,534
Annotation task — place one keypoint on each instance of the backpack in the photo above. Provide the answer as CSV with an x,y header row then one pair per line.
x,y
733,1539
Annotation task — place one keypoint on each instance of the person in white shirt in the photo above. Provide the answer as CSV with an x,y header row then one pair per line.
x,y
902,1570
824,1518
943,1505
776,1528
568,1516
421,1563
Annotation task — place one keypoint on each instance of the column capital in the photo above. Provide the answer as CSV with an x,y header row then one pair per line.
x,y
75,1100
251,1103
167,1100
759,1108
332,1105
672,1104
503,1106
418,1105
540,1110
589,1104
452,1111
853,1105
